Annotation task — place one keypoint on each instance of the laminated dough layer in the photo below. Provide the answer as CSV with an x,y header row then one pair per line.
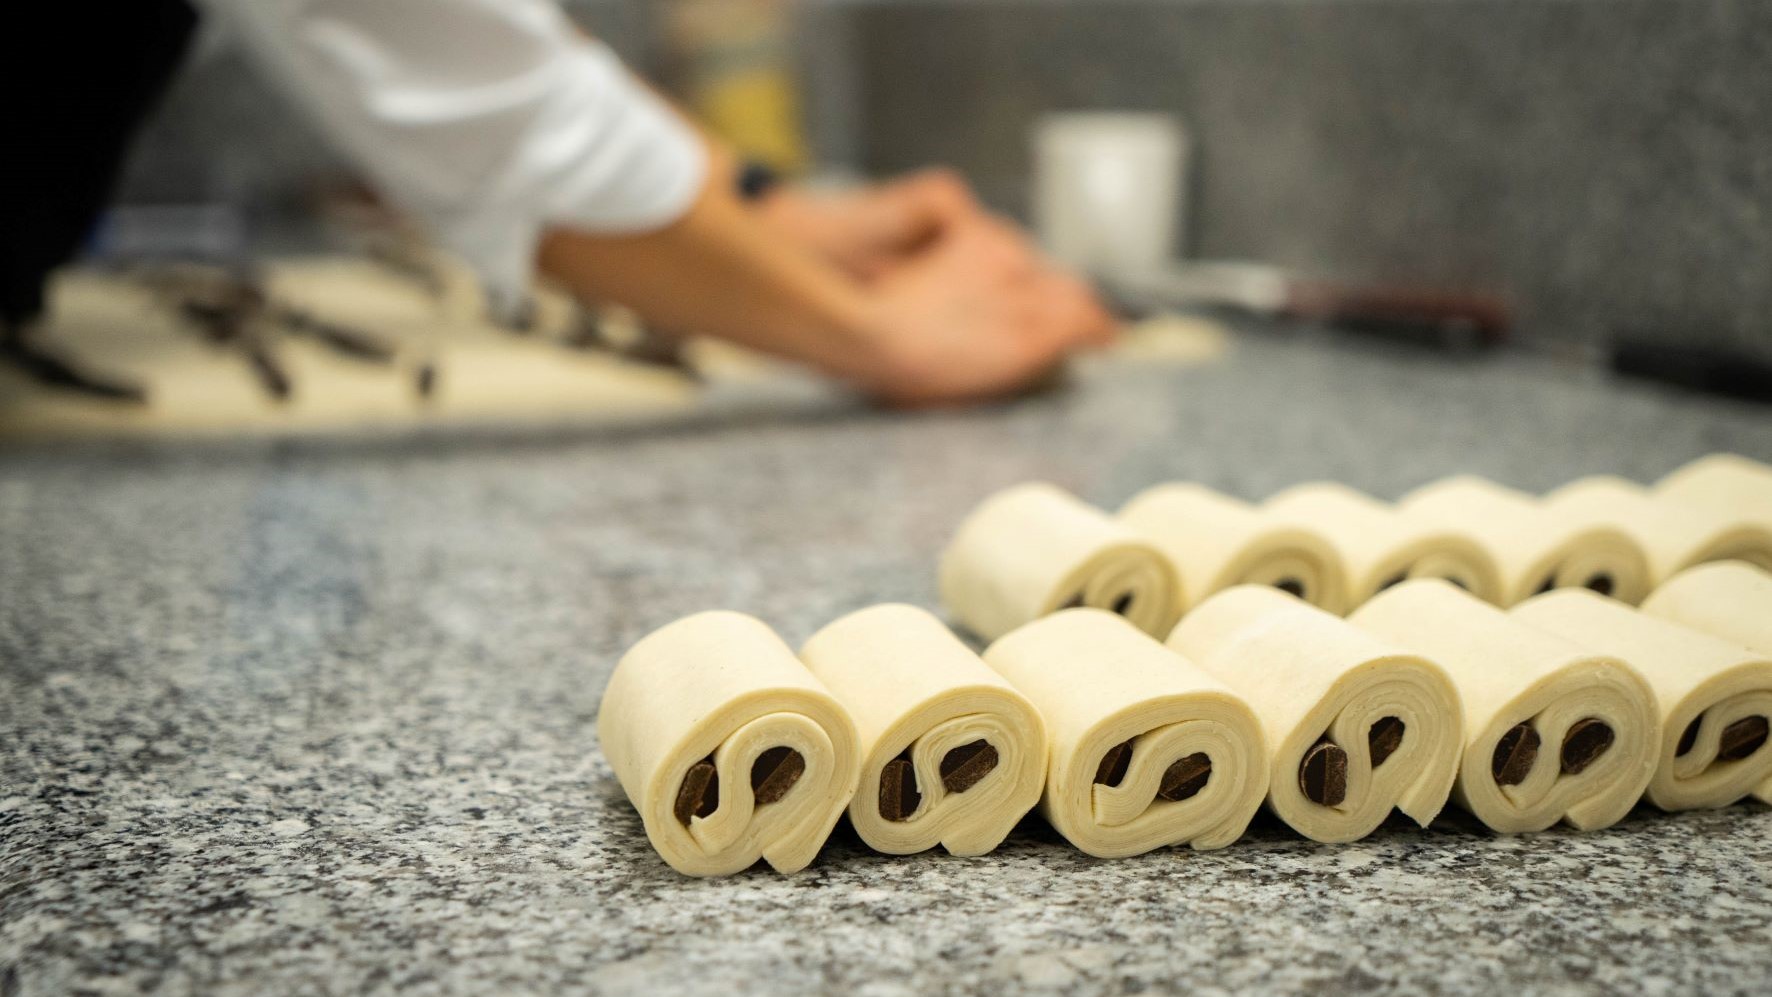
x,y
1379,547
1715,697
1726,484
730,749
1146,749
1674,535
1355,726
1727,599
951,753
1216,541
1552,730
1536,547
1033,549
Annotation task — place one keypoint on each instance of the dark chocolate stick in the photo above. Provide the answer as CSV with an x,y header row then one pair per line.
x,y
898,788
1322,776
962,767
774,773
1384,738
1186,777
1742,738
700,793
1514,755
1113,764
1587,740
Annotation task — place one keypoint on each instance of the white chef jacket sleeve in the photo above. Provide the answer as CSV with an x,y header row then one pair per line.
x,y
489,120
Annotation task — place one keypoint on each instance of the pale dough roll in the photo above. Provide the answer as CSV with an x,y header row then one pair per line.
x,y
1216,541
1537,548
951,753
1552,730
1726,484
1146,749
1033,549
1715,697
1726,599
721,688
1332,699
1674,535
1379,547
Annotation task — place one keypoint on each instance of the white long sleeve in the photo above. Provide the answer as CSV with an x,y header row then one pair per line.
x,y
487,119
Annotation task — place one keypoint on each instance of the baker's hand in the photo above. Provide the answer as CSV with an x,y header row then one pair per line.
x,y
868,231
977,312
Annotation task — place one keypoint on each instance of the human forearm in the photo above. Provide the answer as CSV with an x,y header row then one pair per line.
x,y
717,271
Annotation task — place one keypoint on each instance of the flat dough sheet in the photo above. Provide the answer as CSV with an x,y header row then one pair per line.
x,y
1146,749
721,687
1536,707
1313,678
951,753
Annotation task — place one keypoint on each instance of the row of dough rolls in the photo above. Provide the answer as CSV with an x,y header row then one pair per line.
x,y
1033,549
730,749
1380,547
1713,695
1146,748
1536,546
1552,730
1355,726
951,753
1216,542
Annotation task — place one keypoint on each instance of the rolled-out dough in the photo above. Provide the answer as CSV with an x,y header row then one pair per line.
x,y
721,686
1535,546
1378,547
1696,678
1510,674
1032,549
1123,709
919,695
1727,599
1216,541
1311,675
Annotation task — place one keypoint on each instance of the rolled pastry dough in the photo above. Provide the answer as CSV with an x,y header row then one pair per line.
x,y
1674,535
1033,549
1330,696
721,687
1379,547
1536,547
1146,749
1727,484
1552,730
1727,599
1216,541
951,753
1714,696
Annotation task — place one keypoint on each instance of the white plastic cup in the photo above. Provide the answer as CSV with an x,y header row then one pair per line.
x,y
1107,189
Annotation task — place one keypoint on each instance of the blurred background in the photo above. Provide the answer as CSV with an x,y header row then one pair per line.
x,y
1604,165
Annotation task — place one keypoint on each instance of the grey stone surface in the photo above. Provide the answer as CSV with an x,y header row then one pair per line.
x,y
1604,163
317,716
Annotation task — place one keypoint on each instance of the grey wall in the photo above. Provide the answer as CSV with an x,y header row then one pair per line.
x,y
1608,163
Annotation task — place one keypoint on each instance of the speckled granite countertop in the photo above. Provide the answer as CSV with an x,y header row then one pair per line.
x,y
318,716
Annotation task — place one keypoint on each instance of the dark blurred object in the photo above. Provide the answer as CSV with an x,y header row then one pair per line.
x,y
79,81
45,367
1430,317
1712,370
